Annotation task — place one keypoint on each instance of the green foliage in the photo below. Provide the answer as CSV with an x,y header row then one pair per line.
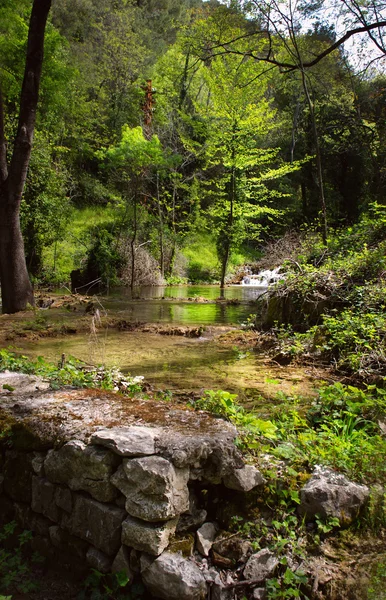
x,y
73,372
223,403
114,586
15,571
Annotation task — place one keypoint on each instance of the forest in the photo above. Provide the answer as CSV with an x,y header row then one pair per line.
x,y
188,146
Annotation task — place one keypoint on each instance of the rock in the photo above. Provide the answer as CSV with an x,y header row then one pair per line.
x,y
38,463
152,538
331,494
97,523
234,548
30,520
154,489
43,498
63,498
121,563
260,594
98,560
244,479
82,467
66,543
205,538
219,591
193,518
128,441
19,383
261,566
172,577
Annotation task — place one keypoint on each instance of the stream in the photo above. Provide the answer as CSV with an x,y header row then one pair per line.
x,y
173,362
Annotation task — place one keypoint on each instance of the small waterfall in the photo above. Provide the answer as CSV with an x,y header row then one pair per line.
x,y
263,279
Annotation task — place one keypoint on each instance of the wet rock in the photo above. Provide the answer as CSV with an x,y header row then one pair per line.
x,y
154,489
205,538
43,498
152,538
82,467
121,563
244,479
98,560
331,494
261,566
97,523
234,548
172,577
19,383
128,441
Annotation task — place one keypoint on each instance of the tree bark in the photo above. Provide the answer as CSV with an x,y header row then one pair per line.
x,y
16,288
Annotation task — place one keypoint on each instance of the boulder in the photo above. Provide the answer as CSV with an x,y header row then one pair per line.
x,y
331,494
152,538
173,577
82,467
97,523
155,490
244,479
261,566
205,538
128,441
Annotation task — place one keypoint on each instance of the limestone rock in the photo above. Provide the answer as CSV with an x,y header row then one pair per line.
x,y
331,494
172,577
261,566
97,523
121,563
37,463
30,520
128,441
233,547
205,538
63,498
98,560
66,543
152,538
21,383
260,594
154,489
82,467
43,498
244,479
194,517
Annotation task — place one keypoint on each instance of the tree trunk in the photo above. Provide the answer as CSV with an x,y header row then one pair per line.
x,y
16,288
229,232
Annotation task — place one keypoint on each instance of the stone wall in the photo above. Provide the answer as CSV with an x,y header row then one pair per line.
x,y
122,497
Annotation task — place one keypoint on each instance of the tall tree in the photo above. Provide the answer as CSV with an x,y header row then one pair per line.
x,y
16,288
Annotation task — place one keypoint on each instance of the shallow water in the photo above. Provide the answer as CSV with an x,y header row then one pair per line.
x,y
162,304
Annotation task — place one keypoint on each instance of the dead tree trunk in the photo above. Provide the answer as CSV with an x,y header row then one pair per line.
x,y
16,288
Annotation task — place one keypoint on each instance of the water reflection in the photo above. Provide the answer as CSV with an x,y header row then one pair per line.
x,y
169,304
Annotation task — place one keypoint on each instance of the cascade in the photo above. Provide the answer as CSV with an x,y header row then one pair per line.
x,y
263,278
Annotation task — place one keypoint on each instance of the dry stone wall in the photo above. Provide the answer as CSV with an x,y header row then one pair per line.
x,y
116,498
